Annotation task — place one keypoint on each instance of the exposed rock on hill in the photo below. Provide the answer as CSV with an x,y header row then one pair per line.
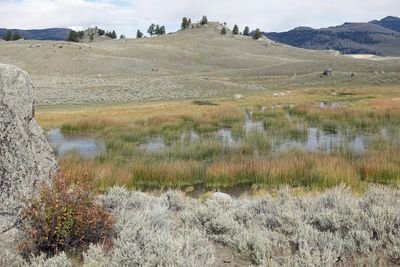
x,y
94,35
25,156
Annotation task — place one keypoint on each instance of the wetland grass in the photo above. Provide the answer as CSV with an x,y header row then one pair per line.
x,y
222,146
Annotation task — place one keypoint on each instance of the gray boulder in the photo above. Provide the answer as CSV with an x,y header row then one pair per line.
x,y
327,72
26,158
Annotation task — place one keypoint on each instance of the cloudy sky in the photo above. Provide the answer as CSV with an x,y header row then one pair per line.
x,y
126,16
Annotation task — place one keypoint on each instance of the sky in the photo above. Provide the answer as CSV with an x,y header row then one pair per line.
x,y
126,16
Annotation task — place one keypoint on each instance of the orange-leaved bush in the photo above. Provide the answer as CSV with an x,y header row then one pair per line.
x,y
64,217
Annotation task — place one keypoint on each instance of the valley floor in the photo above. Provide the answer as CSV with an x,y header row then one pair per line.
x,y
311,162
312,138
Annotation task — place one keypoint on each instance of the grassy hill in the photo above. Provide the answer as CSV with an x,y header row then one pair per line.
x,y
193,63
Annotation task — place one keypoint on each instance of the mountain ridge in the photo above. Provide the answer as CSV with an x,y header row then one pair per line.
x,y
55,34
378,37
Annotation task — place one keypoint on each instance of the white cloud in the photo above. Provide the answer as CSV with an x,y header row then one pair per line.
x,y
126,16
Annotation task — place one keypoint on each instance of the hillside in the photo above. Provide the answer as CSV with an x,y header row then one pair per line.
x,y
58,34
194,63
377,37
390,22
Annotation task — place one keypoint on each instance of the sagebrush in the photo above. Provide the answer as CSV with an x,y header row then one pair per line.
x,y
335,228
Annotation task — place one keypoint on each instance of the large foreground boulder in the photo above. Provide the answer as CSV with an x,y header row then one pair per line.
x,y
26,158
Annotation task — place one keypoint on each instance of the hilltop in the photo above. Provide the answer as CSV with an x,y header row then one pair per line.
x,y
192,63
379,37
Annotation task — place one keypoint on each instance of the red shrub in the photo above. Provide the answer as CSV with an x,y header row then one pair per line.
x,y
64,218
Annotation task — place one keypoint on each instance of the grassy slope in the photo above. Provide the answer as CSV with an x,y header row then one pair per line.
x,y
186,64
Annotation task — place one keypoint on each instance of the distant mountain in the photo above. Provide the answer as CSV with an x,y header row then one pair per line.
x,y
376,37
44,34
390,22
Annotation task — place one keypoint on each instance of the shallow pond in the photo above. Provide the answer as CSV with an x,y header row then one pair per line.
x,y
252,125
156,144
319,140
85,146
315,140
225,135
189,137
326,105
153,145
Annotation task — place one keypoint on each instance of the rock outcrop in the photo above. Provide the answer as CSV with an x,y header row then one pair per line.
x,y
26,158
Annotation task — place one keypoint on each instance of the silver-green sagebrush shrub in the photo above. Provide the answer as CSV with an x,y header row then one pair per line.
x,y
148,236
334,228
60,260
305,231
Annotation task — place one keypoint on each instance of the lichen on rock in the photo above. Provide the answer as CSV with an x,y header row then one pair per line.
x,y
26,158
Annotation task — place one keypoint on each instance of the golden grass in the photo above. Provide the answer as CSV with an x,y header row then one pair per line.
x,y
312,170
56,116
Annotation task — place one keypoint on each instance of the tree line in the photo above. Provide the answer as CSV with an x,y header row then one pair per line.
x,y
246,31
76,36
11,36
186,23
156,29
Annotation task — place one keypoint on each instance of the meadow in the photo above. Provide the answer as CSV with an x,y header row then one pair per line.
x,y
313,138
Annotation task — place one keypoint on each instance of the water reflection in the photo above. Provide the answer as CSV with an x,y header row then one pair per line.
x,y
318,140
189,137
153,145
251,125
86,147
325,105
314,139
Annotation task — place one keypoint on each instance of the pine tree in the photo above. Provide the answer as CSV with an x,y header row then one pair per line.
x,y
139,34
246,31
8,36
185,23
151,29
122,36
80,35
157,30
223,31
257,34
16,36
235,29
161,31
204,20
112,35
189,21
